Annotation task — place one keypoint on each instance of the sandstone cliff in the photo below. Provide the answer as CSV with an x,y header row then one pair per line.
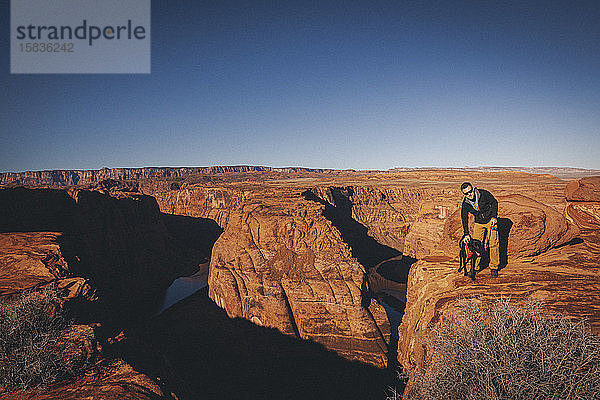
x,y
110,256
546,257
280,263
283,261
119,242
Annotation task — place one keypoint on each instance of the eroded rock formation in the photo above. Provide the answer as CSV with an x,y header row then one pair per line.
x,y
89,177
108,254
118,241
547,258
270,265
280,263
584,189
111,380
584,205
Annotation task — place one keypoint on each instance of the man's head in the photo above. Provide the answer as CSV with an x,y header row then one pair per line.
x,y
467,190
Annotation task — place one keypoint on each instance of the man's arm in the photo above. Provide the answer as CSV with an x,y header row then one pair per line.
x,y
494,207
464,215
491,207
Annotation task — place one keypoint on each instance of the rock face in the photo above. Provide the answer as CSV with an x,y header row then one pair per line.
x,y
119,242
280,263
296,265
110,380
584,189
111,253
28,259
584,208
586,215
74,178
565,278
547,258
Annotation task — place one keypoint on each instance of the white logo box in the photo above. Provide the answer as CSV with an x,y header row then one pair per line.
x,y
80,36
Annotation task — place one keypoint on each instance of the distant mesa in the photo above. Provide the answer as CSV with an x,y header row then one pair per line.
x,y
90,177
87,177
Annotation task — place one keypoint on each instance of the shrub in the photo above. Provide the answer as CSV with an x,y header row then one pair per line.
x,y
505,351
35,348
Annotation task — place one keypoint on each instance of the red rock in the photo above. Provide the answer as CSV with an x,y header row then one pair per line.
x,y
281,264
109,380
534,227
585,214
28,259
584,189
567,279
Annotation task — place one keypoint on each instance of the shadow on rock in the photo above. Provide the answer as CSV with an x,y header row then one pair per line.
x,y
364,248
39,210
216,357
199,234
127,248
504,227
571,242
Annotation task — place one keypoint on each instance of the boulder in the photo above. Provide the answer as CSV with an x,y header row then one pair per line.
x,y
584,189
525,226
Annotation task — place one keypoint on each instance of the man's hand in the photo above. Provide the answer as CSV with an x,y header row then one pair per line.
x,y
494,221
466,239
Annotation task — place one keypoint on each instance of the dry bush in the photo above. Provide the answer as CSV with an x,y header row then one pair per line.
x,y
505,351
34,346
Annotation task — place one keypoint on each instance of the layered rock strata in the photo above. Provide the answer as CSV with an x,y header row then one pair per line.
x,y
261,271
567,279
280,263
88,177
584,189
118,241
584,202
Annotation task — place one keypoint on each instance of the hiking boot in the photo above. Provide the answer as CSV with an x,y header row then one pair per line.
x,y
494,272
471,275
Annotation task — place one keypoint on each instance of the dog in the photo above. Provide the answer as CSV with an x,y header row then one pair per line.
x,y
469,252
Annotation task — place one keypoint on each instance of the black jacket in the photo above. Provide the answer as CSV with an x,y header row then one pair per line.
x,y
488,209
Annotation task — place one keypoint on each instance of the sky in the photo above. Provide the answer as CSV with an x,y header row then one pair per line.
x,y
324,84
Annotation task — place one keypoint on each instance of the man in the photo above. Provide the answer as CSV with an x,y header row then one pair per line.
x,y
484,208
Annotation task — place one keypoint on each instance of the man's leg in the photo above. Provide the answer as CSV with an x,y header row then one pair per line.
x,y
479,234
494,251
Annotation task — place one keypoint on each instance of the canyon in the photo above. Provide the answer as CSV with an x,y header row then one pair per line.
x,y
287,252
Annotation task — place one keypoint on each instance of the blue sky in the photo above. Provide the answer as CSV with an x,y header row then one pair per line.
x,y
326,84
